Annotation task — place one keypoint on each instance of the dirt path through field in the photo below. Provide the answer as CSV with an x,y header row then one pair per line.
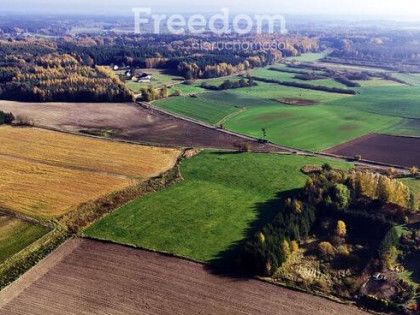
x,y
90,277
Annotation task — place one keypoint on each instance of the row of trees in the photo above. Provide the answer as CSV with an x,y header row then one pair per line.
x,y
381,187
228,84
150,93
306,86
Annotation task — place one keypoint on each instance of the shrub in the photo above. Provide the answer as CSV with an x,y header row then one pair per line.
x,y
326,250
294,246
326,167
390,256
177,93
341,229
391,171
414,171
357,157
285,248
261,238
6,118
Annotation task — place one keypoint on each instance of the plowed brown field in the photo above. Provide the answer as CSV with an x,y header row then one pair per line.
x,y
89,277
127,122
396,150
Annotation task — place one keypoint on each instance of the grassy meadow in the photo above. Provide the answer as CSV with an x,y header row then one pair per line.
x,y
222,198
16,234
313,128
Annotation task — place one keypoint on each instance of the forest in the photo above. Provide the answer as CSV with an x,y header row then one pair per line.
x,y
36,73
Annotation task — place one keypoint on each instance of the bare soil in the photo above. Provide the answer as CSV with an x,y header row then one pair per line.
x,y
396,150
126,121
90,277
296,101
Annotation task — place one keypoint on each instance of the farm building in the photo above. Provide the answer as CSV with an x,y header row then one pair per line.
x,y
145,78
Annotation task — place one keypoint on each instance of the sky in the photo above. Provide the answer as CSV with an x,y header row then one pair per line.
x,y
378,8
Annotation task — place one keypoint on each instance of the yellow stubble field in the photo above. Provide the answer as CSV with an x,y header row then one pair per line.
x,y
45,174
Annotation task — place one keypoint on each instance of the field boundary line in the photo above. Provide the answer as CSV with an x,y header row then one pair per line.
x,y
160,252
27,219
226,118
25,280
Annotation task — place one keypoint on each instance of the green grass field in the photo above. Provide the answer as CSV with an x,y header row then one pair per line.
x,y
211,107
223,197
199,108
313,128
401,101
309,57
15,235
193,88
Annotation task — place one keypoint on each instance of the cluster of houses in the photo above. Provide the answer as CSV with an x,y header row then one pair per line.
x,y
136,77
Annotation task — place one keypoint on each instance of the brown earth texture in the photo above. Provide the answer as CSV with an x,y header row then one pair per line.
x,y
90,277
126,121
395,150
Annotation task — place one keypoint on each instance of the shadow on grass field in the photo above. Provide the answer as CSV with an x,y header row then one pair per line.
x,y
225,262
222,199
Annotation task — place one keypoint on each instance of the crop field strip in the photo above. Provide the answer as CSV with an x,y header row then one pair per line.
x,y
73,169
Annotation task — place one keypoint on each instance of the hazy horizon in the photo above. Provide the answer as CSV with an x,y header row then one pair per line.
x,y
356,8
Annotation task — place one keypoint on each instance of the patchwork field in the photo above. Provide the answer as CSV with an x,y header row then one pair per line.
x,y
46,174
380,106
134,281
222,198
16,234
404,151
